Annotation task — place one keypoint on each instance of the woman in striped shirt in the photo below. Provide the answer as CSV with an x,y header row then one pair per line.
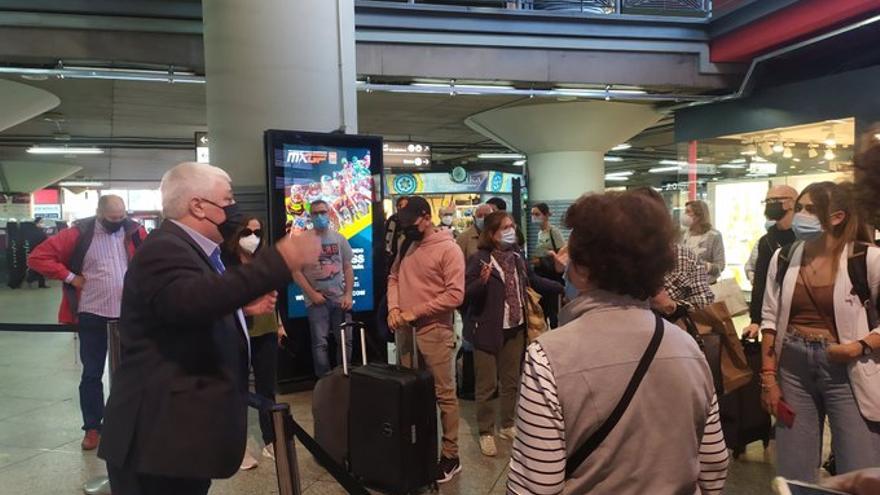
x,y
668,439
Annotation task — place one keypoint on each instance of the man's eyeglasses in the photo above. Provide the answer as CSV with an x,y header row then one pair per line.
x,y
246,232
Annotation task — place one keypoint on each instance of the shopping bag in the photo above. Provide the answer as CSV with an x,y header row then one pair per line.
x,y
713,324
730,293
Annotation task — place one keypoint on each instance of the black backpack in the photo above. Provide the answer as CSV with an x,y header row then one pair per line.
x,y
856,267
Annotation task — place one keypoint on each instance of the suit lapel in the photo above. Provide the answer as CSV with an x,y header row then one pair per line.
x,y
174,229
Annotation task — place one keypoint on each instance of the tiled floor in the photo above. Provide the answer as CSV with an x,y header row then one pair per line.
x,y
30,305
40,420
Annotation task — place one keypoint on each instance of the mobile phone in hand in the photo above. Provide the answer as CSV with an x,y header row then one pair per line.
x,y
785,413
783,486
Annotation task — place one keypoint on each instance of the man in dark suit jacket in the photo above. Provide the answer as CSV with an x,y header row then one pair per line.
x,y
177,412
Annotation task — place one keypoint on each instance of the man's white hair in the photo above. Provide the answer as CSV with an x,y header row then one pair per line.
x,y
186,181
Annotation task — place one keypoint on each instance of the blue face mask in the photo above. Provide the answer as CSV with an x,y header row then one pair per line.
x,y
508,238
478,222
807,227
768,224
321,222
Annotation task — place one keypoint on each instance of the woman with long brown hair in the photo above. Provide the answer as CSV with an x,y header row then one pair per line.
x,y
820,343
264,330
706,242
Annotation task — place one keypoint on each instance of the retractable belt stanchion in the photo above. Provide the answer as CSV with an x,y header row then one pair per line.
x,y
286,465
101,484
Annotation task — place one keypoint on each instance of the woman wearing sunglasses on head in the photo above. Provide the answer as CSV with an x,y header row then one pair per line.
x,y
820,341
264,329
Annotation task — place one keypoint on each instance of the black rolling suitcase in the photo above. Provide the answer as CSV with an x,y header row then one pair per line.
x,y
393,427
743,418
330,402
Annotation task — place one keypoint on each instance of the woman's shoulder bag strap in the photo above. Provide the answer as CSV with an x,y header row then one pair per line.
x,y
580,455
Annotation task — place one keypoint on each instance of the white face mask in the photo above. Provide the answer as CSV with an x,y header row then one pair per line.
x,y
249,243
687,221
447,220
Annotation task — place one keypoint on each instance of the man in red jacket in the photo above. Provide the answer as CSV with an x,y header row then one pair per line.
x,y
91,258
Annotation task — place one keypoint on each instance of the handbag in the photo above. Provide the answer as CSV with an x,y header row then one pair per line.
x,y
536,324
730,293
714,325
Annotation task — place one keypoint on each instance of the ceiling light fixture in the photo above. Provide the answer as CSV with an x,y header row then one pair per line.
x,y
614,159
830,141
787,153
664,170
616,178
626,146
622,173
519,163
80,184
63,150
778,147
735,166
500,156
829,154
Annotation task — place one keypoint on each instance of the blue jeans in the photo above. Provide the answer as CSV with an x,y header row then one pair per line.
x,y
93,354
814,388
325,319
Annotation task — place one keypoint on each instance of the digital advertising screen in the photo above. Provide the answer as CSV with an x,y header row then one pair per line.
x,y
344,172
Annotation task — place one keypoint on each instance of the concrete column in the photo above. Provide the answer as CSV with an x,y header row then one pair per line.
x,y
565,175
565,144
275,64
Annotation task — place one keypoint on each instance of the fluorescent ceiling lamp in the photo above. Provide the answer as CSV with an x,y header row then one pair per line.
x,y
613,159
579,92
732,165
462,86
621,147
615,178
663,170
519,163
63,150
500,156
674,162
622,173
738,160
629,91
80,184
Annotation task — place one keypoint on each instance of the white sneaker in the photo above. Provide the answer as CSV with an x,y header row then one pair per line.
x,y
249,462
507,433
487,445
269,451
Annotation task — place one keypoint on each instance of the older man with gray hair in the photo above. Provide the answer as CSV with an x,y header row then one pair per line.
x,y
91,258
469,240
177,412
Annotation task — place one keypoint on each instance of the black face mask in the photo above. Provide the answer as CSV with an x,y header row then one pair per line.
x,y
112,227
234,217
413,234
774,211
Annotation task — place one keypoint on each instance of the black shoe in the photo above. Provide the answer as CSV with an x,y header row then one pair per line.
x,y
447,469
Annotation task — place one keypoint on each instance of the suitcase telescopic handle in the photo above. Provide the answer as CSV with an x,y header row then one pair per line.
x,y
415,345
348,323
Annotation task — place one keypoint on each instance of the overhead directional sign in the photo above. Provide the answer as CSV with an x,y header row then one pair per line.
x,y
202,155
406,155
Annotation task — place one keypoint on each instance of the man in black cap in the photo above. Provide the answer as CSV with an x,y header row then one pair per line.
x,y
425,287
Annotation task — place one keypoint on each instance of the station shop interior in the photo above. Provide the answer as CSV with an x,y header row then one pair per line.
x,y
530,101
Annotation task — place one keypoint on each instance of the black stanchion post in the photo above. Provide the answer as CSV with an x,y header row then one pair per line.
x,y
101,484
286,464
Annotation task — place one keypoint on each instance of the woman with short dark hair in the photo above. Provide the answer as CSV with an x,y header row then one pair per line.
x,y
620,249
495,288
706,242
549,243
